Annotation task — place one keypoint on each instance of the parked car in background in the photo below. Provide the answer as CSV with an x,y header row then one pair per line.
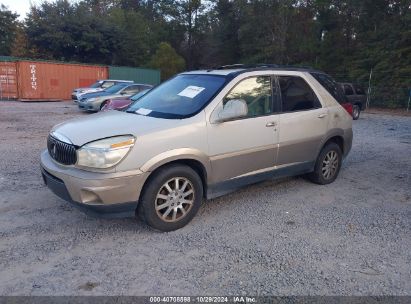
x,y
100,85
201,134
356,96
95,101
123,103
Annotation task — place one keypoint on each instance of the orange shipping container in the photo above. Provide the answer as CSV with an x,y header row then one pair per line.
x,y
8,80
54,81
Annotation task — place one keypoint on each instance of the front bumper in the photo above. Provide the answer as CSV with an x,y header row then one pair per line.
x,y
90,106
99,194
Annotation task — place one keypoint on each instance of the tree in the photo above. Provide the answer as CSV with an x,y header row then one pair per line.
x,y
8,26
222,45
187,17
343,38
167,60
20,43
134,30
71,32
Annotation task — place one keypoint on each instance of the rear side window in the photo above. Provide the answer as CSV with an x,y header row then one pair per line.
x,y
297,95
348,90
331,86
132,89
359,90
144,87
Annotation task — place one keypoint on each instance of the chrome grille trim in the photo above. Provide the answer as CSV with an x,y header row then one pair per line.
x,y
61,152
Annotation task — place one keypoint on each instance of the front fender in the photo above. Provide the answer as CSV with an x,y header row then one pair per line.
x,y
174,155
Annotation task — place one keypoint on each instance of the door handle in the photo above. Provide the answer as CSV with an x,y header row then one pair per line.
x,y
271,124
322,115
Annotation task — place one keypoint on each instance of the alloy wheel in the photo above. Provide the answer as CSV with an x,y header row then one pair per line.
x,y
330,165
175,199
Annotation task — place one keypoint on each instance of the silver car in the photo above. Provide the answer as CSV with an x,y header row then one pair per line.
x,y
200,135
98,86
94,102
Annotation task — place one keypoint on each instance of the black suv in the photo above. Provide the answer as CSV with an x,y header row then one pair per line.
x,y
356,96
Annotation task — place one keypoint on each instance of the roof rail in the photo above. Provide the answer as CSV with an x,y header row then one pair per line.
x,y
261,65
247,66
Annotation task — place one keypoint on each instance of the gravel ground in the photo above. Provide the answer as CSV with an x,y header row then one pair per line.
x,y
286,237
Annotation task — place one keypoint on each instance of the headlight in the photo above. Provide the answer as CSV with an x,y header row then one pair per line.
x,y
105,153
91,99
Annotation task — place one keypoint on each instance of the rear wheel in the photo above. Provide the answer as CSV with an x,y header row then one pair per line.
x,y
328,165
171,198
356,110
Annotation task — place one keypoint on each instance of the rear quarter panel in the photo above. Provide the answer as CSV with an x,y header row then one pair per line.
x,y
339,121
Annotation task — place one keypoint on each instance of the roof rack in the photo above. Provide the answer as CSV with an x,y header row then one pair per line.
x,y
247,66
262,65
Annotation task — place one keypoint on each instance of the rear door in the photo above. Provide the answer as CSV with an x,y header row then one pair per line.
x,y
303,122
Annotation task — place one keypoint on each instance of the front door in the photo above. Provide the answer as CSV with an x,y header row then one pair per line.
x,y
249,144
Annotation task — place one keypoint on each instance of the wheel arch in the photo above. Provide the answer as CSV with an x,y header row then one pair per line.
x,y
339,140
335,136
198,162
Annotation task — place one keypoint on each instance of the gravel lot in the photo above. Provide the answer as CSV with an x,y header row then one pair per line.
x,y
286,237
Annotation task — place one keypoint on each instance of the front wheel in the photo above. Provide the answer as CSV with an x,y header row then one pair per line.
x,y
356,112
103,104
171,198
328,165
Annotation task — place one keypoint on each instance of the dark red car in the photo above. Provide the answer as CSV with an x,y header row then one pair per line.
x,y
122,103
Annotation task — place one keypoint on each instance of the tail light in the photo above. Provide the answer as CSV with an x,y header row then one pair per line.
x,y
348,107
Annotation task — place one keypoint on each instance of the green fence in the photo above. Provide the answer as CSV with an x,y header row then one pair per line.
x,y
139,75
7,58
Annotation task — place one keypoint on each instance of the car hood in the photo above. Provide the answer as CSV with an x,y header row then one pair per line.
x,y
112,123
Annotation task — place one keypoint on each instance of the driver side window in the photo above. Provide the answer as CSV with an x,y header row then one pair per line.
x,y
256,92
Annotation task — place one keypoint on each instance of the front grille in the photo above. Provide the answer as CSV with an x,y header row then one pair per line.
x,y
61,152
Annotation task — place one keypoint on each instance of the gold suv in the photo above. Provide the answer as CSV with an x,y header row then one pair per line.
x,y
200,135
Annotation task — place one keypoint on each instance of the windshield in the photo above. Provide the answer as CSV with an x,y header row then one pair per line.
x,y
139,94
179,97
115,88
96,85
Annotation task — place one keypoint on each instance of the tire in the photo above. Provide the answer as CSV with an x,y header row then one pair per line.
x,y
167,210
321,175
356,110
103,104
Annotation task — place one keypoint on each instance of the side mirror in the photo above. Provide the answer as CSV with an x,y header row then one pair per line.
x,y
235,108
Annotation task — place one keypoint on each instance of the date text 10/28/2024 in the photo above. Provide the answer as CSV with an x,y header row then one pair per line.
x,y
203,299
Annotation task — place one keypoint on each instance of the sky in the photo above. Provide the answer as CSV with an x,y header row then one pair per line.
x,y
21,7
